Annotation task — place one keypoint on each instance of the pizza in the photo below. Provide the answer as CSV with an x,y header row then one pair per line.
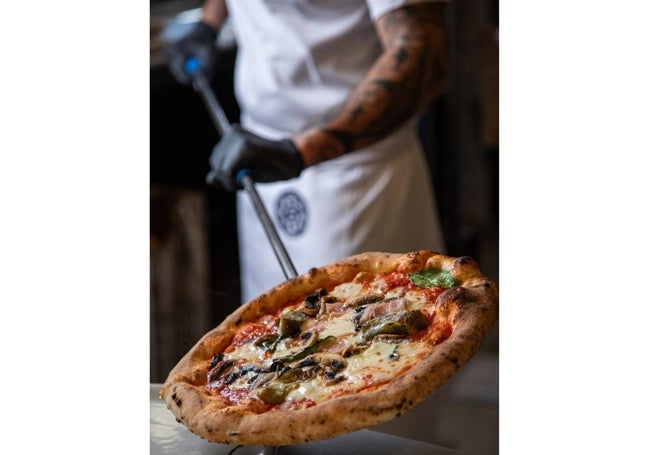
x,y
342,347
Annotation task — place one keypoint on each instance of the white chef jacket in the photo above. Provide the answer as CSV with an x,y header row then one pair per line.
x,y
297,62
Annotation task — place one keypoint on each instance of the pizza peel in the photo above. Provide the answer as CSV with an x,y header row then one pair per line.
x,y
220,120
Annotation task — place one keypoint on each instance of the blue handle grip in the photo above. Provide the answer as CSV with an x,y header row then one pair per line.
x,y
241,175
192,65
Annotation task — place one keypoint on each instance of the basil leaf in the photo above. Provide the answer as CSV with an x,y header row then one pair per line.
x,y
432,277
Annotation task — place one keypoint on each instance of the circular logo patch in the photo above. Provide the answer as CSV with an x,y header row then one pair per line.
x,y
291,213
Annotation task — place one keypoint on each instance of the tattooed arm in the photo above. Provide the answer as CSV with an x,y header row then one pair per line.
x,y
408,75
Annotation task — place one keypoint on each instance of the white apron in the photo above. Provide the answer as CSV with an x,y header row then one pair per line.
x,y
334,210
376,199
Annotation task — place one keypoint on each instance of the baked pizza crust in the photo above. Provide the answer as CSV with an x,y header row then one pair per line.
x,y
471,307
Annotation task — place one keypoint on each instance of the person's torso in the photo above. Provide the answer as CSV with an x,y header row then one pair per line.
x,y
298,60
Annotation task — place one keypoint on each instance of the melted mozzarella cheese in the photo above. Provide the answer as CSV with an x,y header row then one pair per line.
x,y
247,351
377,364
312,390
377,361
337,326
347,291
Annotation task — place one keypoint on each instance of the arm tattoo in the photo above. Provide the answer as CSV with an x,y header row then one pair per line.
x,y
409,74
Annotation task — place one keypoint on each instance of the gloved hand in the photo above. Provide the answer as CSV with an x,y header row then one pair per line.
x,y
199,43
268,161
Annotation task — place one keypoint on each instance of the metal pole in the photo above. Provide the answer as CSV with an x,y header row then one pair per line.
x,y
220,120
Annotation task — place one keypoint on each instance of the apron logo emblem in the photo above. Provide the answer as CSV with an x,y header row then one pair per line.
x,y
291,213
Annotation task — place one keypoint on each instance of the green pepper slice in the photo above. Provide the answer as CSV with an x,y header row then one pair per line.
x,y
401,323
308,350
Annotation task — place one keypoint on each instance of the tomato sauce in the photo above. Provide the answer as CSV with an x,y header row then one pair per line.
x,y
401,279
232,395
250,332
432,293
394,280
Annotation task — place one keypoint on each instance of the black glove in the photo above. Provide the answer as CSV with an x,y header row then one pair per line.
x,y
199,43
268,161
